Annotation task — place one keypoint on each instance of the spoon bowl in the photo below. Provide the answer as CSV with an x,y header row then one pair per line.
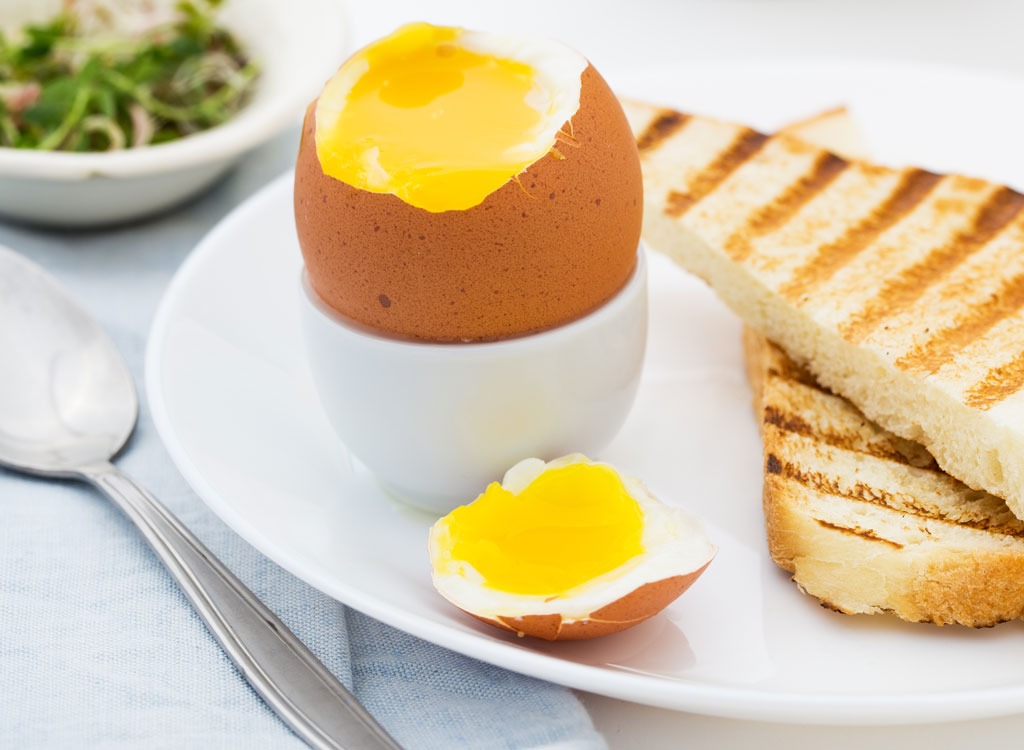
x,y
67,406
68,400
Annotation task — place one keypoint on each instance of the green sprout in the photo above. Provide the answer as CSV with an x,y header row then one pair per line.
x,y
62,88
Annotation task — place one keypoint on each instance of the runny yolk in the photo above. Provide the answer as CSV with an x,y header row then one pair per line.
x,y
570,525
438,125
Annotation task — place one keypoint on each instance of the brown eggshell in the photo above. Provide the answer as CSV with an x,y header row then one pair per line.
x,y
627,611
542,250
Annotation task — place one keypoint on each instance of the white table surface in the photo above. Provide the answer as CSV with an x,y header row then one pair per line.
x,y
617,35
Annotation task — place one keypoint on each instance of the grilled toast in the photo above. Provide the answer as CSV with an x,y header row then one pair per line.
x,y
900,289
927,548
864,520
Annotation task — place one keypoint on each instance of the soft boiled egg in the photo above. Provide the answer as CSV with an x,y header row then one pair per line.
x,y
456,185
566,550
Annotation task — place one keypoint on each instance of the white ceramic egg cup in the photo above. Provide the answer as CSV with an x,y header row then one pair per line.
x,y
435,423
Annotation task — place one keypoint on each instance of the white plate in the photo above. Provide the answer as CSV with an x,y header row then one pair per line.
x,y
234,403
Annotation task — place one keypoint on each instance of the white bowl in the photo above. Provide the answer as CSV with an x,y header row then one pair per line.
x,y
435,423
298,45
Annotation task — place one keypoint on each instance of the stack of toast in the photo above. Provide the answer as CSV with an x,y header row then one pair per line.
x,y
885,349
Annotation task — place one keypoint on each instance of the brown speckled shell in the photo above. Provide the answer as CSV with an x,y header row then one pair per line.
x,y
630,610
540,251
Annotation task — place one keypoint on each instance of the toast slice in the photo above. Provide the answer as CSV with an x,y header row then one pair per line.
x,y
910,540
900,289
866,521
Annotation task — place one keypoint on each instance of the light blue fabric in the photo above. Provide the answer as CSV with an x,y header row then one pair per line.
x,y
99,649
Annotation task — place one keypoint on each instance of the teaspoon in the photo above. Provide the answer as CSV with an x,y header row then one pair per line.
x,y
67,406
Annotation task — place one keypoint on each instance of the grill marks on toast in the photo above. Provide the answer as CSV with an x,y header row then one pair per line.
x,y
904,283
913,188
747,143
806,452
976,321
998,383
865,534
858,531
902,291
911,507
663,126
997,212
820,442
790,400
791,422
769,217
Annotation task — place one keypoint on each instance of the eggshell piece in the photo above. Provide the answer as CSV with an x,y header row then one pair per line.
x,y
630,610
649,599
544,249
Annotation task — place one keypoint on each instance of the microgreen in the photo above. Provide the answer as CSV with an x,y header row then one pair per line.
x,y
64,88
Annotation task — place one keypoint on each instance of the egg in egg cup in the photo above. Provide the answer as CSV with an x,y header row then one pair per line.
x,y
468,207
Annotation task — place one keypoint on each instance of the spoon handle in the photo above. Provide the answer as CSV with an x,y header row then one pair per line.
x,y
289,677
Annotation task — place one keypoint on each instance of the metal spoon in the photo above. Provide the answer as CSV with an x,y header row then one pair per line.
x,y
67,405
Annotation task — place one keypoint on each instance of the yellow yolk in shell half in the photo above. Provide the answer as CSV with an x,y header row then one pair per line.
x,y
564,550
568,526
423,115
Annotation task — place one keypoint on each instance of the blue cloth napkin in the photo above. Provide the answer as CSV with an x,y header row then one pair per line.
x,y
99,649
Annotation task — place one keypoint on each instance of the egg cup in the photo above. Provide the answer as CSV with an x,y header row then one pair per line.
x,y
436,422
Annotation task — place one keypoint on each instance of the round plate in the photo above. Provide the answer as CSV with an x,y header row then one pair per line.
x,y
233,401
